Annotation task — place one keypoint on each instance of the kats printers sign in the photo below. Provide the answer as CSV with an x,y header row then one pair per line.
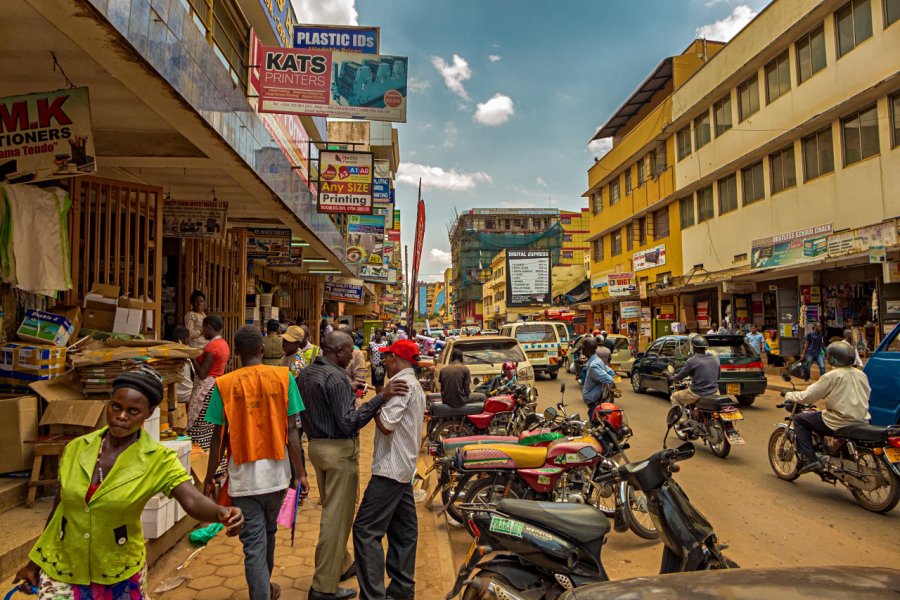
x,y
46,136
345,182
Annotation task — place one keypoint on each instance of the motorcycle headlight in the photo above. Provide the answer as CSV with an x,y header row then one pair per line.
x,y
532,394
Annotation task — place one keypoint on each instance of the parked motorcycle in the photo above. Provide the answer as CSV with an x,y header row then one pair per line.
x,y
537,550
712,419
865,458
503,414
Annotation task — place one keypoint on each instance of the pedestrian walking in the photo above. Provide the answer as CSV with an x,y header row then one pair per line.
x,y
356,370
756,340
388,506
848,337
257,405
210,365
813,352
375,359
274,351
93,545
299,353
332,421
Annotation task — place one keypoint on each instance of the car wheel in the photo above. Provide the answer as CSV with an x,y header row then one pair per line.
x,y
746,399
636,383
553,374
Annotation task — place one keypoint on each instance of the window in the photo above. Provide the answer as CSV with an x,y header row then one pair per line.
x,y
642,231
686,210
859,133
567,237
655,348
615,242
661,223
818,154
753,183
489,224
778,77
640,172
598,249
614,191
853,25
568,254
722,114
516,223
598,202
728,194
783,171
629,236
895,119
668,348
705,208
810,54
683,139
702,135
628,180
658,160
748,98
891,11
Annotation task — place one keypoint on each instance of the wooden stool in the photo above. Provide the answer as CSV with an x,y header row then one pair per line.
x,y
43,475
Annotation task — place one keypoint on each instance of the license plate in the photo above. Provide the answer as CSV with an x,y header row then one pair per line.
x,y
536,354
732,416
892,454
507,526
733,389
735,438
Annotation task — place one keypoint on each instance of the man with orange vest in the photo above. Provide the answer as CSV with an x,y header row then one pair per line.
x,y
257,405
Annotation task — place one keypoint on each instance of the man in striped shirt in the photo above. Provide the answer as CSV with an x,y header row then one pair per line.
x,y
388,506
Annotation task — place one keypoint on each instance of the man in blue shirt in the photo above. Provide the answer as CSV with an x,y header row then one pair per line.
x,y
812,352
755,339
596,375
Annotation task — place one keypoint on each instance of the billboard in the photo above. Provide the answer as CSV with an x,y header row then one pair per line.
x,y
381,189
649,258
194,218
630,310
795,247
621,284
363,40
528,278
46,136
365,239
343,289
375,273
268,243
332,84
345,182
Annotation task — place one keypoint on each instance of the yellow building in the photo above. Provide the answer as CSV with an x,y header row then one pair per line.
x,y
448,294
576,231
634,227
788,167
493,293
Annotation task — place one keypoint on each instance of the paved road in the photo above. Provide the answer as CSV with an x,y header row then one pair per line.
x,y
764,521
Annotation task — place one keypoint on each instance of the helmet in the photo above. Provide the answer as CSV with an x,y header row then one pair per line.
x,y
596,332
509,369
603,333
615,419
840,354
698,341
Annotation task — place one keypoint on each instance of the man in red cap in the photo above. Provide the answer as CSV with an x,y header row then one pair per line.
x,y
388,506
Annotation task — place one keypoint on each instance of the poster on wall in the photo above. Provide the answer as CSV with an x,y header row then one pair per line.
x,y
375,273
862,239
343,289
649,258
362,40
268,243
46,136
295,259
795,247
194,218
621,284
630,309
528,278
365,239
345,182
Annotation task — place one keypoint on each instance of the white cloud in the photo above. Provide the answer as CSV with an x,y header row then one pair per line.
x,y
540,181
450,135
495,58
328,12
454,74
495,111
438,178
600,147
416,85
725,29
440,256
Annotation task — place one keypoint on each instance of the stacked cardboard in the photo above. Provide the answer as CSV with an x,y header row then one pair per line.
x,y
105,311
98,379
22,364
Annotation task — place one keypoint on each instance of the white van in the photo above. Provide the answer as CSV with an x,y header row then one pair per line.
x,y
540,340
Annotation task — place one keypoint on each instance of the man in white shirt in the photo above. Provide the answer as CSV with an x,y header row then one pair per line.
x,y
388,506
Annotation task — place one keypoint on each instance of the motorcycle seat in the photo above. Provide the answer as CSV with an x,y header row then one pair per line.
x,y
451,445
432,397
581,522
713,403
439,409
863,432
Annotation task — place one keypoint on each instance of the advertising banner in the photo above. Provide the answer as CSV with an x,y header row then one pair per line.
x,y
393,234
528,278
375,273
383,169
630,309
268,243
294,259
621,284
344,289
281,17
363,40
46,136
598,283
381,188
332,84
792,248
418,241
194,218
365,239
649,258
345,182
865,238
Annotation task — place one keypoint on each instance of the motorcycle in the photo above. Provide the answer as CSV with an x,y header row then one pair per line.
x,y
503,414
712,419
864,458
538,550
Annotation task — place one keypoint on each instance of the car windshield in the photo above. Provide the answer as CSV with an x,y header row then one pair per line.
x,y
730,348
490,352
535,333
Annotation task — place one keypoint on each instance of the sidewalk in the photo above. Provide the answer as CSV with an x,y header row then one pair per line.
x,y
217,572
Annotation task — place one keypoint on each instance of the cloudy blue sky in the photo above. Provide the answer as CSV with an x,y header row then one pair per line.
x,y
505,94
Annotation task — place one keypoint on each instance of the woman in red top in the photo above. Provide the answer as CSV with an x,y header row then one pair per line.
x,y
210,364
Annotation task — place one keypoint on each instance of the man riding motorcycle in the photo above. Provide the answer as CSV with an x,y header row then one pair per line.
x,y
846,394
596,375
703,369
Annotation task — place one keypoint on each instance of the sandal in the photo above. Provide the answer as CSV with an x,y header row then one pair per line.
x,y
276,591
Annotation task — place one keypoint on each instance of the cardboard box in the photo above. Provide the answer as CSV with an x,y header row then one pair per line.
x,y
158,516
183,449
127,321
74,417
41,359
19,419
44,327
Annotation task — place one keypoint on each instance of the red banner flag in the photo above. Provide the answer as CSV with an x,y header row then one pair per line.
x,y
417,258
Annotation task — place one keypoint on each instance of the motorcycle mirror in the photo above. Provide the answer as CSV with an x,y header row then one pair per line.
x,y
550,413
587,453
686,450
785,376
674,415
670,369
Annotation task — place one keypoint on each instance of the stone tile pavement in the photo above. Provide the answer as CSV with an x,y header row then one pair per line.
x,y
217,572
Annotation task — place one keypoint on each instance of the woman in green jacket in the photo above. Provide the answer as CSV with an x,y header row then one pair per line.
x,y
93,546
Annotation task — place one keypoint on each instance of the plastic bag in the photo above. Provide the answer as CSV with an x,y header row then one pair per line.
x,y
201,537
288,509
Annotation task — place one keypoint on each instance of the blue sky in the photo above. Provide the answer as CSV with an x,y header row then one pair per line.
x,y
505,94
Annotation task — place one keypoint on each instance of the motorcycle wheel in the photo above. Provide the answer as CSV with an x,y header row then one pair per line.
x,y
451,429
723,448
783,455
483,579
886,496
453,511
636,383
637,514
487,492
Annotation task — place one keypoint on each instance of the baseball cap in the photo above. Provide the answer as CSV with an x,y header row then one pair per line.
x,y
294,333
408,350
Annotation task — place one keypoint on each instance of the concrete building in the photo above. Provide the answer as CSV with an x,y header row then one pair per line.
x,y
787,171
449,296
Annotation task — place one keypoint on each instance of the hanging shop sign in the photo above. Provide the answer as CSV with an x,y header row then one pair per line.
x,y
877,255
343,289
795,247
393,233
281,17
810,294
621,284
365,239
194,219
381,189
332,84
891,271
345,182
383,169
528,278
862,239
294,259
362,40
598,283
375,273
268,243
739,287
46,136
630,309
649,258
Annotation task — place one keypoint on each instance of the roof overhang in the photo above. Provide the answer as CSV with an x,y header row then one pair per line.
x,y
657,80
